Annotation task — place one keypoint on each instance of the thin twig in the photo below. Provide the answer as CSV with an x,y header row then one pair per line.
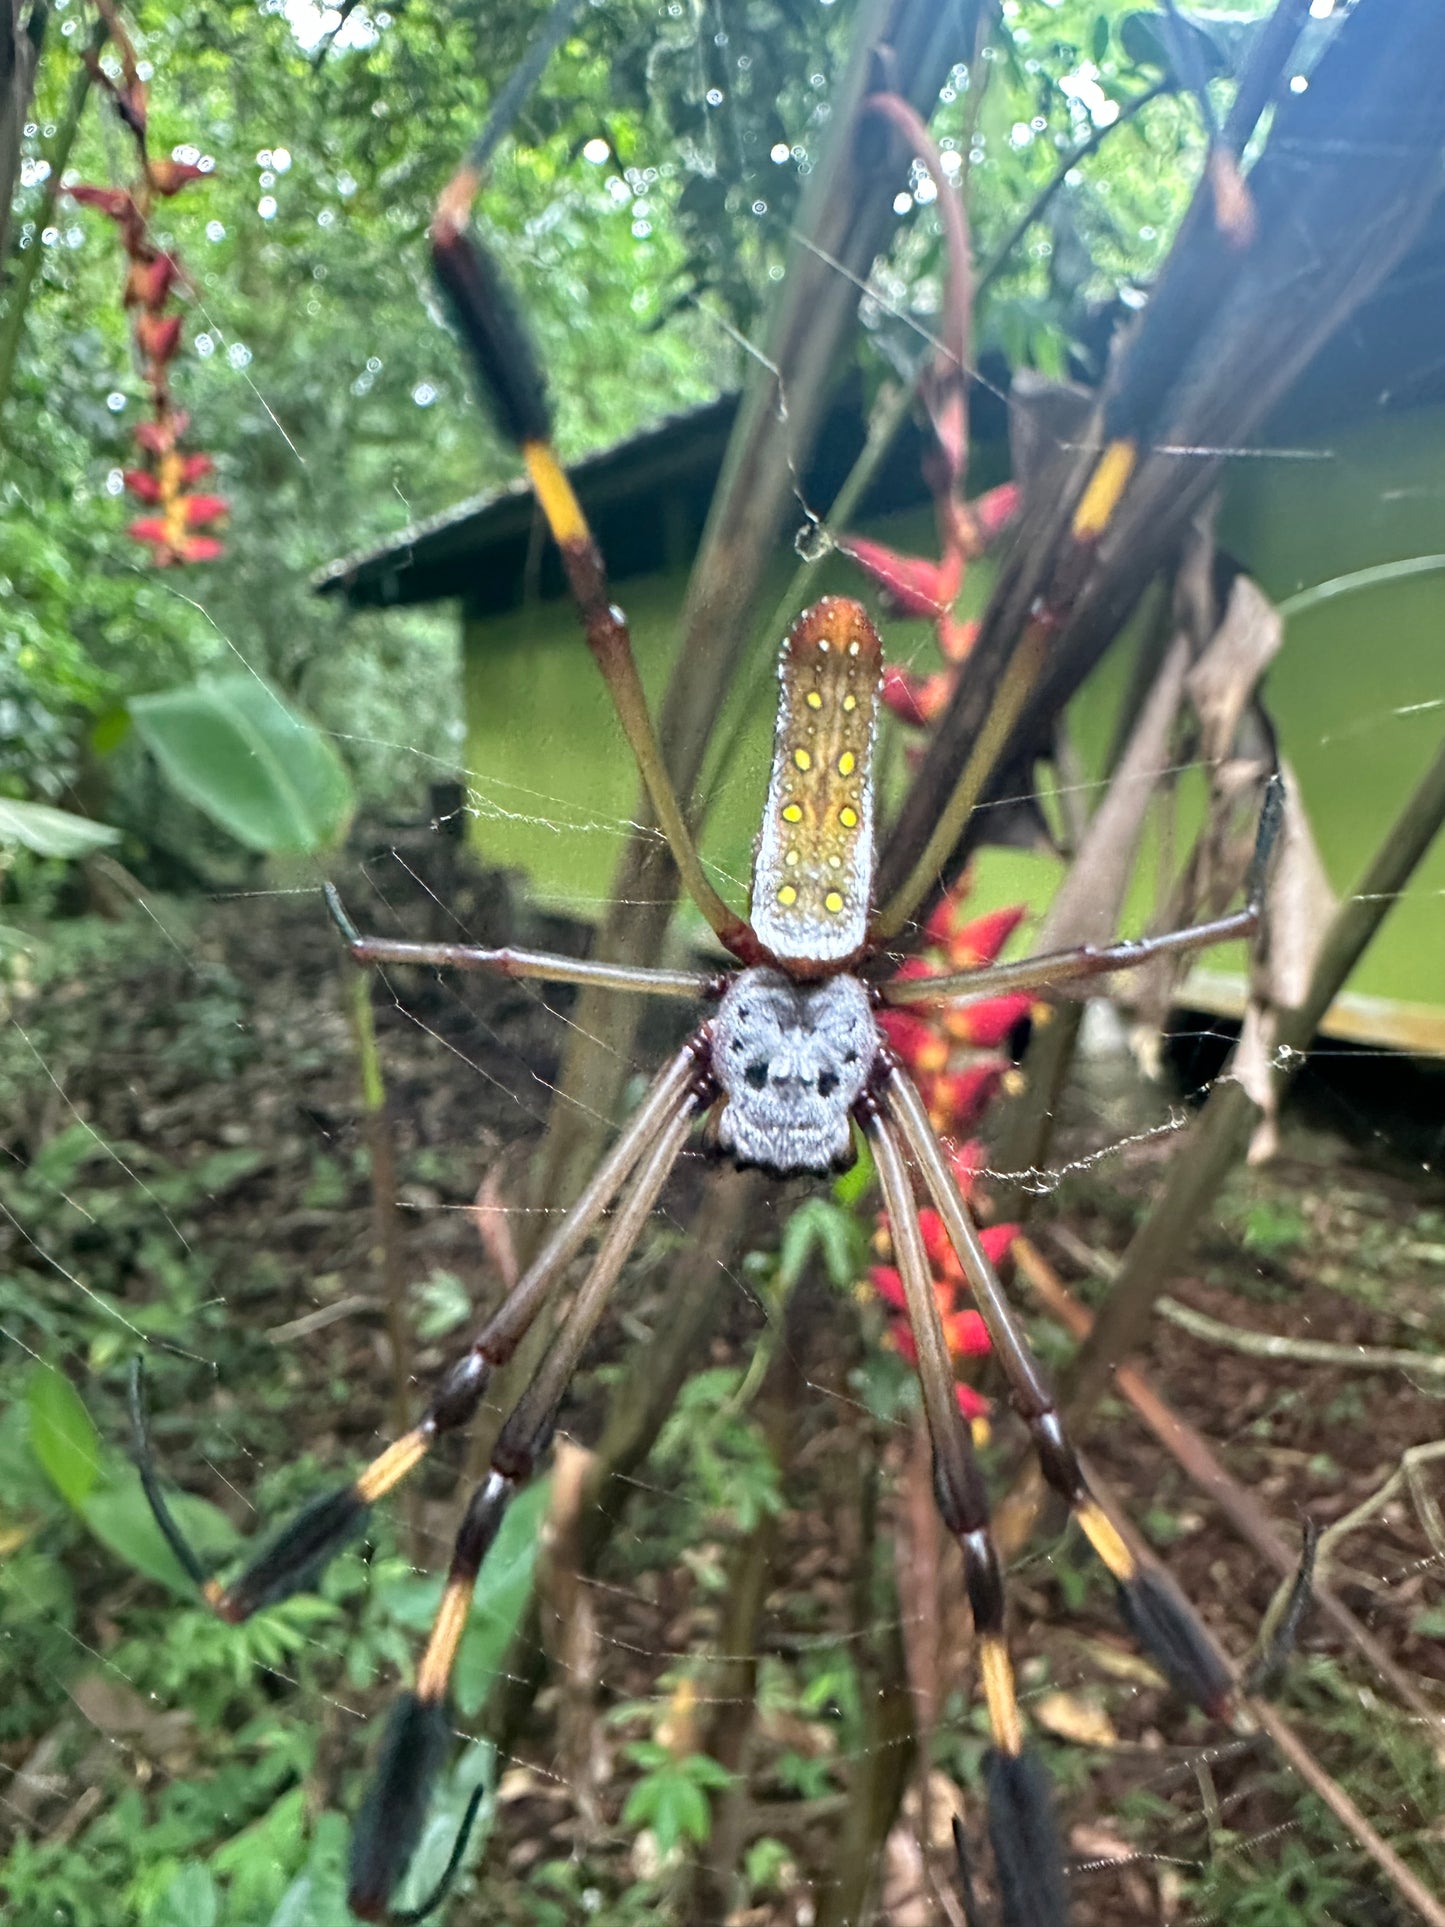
x,y
1404,1474
1201,1466
1406,1884
1305,1351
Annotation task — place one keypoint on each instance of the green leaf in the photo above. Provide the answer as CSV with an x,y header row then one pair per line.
x,y
236,750
191,1900
62,1436
120,1517
51,832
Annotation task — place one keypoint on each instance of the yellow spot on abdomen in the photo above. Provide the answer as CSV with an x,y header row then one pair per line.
x,y
787,894
793,813
847,816
813,699
847,763
802,760
833,902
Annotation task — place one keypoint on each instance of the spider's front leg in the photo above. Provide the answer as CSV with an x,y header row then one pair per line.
x,y
390,1822
294,1559
1026,1850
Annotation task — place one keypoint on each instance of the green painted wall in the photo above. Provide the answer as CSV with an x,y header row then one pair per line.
x,y
1357,693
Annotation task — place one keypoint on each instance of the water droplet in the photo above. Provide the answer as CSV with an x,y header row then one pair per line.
x,y
266,207
902,203
281,159
115,401
326,217
205,346
373,364
423,394
780,152
714,97
760,207
215,231
114,482
263,159
596,151
238,354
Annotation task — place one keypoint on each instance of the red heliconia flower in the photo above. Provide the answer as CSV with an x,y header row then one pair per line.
x,y
141,482
193,467
160,437
158,336
956,640
112,201
915,1042
986,1024
168,546
169,177
150,281
970,942
911,584
987,516
916,699
199,509
956,1100
964,1331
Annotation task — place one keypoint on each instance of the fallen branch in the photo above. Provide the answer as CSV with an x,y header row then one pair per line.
x,y
1406,1884
1304,1351
1202,1467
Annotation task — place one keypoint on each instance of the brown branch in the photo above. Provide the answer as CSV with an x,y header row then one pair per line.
x,y
1410,1889
1202,1467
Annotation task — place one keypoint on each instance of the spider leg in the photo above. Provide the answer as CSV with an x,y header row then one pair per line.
x,y
391,1818
1060,967
1021,1828
505,361
296,1556
1157,1613
543,965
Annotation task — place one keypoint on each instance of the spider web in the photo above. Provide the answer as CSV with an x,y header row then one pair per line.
x,y
188,1176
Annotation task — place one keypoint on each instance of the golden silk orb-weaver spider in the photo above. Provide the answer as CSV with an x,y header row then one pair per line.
x,y
787,1063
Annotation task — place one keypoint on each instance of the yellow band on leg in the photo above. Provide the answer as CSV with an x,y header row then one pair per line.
x,y
1104,1537
446,1633
998,1690
554,493
390,1467
1106,484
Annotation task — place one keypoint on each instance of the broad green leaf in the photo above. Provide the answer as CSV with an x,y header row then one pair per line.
x,y
51,832
120,1517
191,1900
236,750
62,1436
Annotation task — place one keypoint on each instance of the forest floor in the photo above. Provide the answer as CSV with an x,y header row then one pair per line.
x,y
182,1129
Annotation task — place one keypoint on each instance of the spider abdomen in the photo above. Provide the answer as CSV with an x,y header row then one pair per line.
x,y
791,1060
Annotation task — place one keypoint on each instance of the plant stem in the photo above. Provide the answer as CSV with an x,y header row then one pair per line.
x,y
22,281
1223,1128
381,1156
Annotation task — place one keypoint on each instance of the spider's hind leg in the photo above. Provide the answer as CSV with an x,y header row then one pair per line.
x,y
1157,1613
1028,1858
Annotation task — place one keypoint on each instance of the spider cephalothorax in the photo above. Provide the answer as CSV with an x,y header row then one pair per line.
x,y
792,1060
793,1056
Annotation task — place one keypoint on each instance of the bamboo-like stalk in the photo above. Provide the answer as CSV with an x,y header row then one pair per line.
x,y
1222,1130
381,1158
22,280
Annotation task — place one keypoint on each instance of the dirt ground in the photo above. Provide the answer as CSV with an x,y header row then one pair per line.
x,y
1341,1239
